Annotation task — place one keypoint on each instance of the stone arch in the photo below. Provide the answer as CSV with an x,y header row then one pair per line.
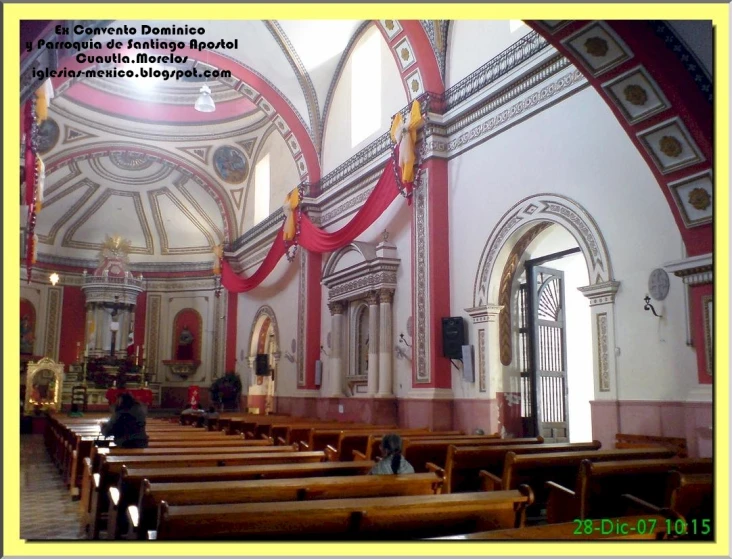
x,y
531,211
263,313
366,251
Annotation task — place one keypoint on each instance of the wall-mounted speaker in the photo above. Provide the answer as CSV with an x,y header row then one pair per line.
x,y
262,365
453,337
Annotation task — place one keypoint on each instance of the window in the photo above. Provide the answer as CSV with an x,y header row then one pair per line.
x,y
366,88
261,189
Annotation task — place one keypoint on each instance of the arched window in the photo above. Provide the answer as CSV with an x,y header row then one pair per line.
x,y
261,189
366,87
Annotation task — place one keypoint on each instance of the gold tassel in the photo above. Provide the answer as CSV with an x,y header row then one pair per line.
x,y
291,203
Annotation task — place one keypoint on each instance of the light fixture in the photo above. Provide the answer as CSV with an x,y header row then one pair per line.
x,y
649,307
54,278
205,103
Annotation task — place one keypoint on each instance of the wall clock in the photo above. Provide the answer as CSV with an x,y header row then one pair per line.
x,y
658,284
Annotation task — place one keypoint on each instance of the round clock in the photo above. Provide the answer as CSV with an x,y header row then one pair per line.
x,y
658,284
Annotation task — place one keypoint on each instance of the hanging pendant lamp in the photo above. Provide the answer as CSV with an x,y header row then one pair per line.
x,y
205,103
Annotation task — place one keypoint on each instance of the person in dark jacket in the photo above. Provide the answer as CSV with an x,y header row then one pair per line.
x,y
127,424
393,462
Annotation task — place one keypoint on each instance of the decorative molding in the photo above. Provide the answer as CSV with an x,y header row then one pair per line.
x,y
301,310
421,264
538,208
598,47
694,270
53,323
263,312
165,248
601,293
199,152
152,336
694,196
481,361
670,145
708,314
637,95
430,394
603,353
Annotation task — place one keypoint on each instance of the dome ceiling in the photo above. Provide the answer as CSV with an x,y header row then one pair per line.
x,y
132,157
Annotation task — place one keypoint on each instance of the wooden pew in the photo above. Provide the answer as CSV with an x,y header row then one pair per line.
x,y
111,467
689,505
464,463
402,518
346,441
678,444
562,468
435,449
647,527
187,450
321,437
271,490
600,486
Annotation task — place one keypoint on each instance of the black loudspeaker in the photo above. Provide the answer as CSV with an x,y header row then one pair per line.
x,y
262,364
453,337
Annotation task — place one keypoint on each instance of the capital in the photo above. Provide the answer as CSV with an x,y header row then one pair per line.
x,y
336,307
386,295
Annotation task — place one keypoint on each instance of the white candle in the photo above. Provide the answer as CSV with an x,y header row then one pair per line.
x,y
137,351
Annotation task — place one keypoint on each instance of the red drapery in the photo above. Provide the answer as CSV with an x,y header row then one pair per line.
x,y
315,239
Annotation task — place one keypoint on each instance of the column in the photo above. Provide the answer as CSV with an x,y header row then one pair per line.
x,y
385,343
374,342
336,353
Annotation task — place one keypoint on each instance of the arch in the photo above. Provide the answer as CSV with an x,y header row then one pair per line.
x,y
183,319
251,83
264,313
649,54
201,177
366,251
530,211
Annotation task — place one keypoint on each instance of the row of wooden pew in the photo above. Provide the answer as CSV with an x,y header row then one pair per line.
x,y
278,477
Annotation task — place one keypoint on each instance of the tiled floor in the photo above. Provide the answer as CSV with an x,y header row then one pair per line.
x,y
48,513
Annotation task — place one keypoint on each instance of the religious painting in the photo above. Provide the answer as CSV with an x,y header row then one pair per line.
x,y
187,332
230,164
43,386
27,327
47,136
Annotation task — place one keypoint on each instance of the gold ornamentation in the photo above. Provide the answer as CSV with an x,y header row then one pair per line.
x,y
635,95
415,86
670,146
389,24
405,54
115,247
700,199
596,46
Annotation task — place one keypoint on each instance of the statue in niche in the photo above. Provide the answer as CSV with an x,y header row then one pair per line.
x,y
185,345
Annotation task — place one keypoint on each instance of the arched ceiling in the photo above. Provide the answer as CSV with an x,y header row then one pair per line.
x,y
133,157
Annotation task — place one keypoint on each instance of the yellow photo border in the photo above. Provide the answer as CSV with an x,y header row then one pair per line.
x,y
14,13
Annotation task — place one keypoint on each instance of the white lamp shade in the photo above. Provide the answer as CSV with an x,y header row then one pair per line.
x,y
205,103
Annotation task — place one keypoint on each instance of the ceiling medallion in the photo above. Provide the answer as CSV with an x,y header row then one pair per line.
x,y
389,24
596,46
115,247
635,95
700,199
230,164
415,85
48,134
670,146
130,161
405,54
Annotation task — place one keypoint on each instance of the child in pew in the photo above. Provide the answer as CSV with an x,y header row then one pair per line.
x,y
392,462
127,424
75,411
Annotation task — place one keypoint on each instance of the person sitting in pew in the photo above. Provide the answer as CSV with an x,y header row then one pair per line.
x,y
127,424
75,411
211,414
392,462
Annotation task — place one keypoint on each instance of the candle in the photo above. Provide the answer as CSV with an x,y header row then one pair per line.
x,y
137,351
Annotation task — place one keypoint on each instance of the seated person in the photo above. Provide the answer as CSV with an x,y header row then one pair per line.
x,y
211,414
392,462
127,424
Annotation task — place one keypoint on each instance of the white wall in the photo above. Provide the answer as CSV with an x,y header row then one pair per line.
x,y
279,291
470,44
337,132
577,149
283,177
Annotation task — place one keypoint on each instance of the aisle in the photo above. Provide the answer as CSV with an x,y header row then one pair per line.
x,y
48,513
